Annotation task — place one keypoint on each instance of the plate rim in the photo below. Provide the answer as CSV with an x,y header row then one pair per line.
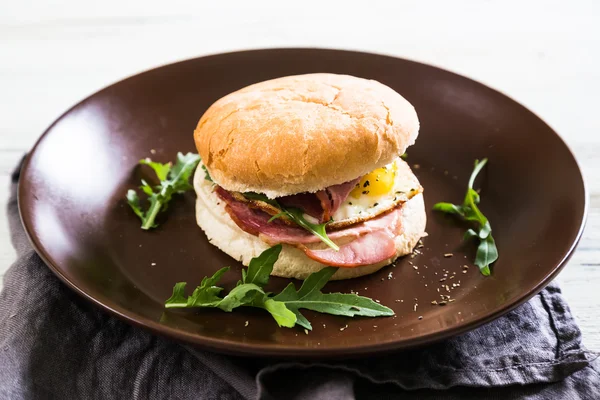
x,y
266,350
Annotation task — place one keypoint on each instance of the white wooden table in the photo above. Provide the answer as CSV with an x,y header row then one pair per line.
x,y
545,54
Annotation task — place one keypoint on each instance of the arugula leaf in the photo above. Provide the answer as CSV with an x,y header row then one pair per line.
x,y
161,170
310,297
178,298
449,208
173,180
282,315
206,174
283,307
239,296
260,267
487,252
206,293
296,215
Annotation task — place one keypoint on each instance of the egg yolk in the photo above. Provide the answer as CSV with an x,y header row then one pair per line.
x,y
376,182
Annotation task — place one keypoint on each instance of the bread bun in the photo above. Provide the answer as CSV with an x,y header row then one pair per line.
x,y
303,133
222,232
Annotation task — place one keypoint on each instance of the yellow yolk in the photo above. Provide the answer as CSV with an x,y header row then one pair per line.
x,y
376,182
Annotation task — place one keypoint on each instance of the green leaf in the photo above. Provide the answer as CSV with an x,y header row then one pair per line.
x,y
487,253
260,267
301,320
161,170
404,156
297,215
206,174
146,188
172,180
470,233
478,167
207,294
178,298
134,203
239,296
180,174
449,208
486,230
213,280
282,315
310,297
285,306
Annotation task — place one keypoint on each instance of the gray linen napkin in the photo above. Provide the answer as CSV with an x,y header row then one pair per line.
x,y
54,344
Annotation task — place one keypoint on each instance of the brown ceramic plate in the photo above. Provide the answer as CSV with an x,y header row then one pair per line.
x,y
74,182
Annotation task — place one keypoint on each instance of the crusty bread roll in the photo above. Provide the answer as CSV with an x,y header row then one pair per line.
x,y
303,133
222,232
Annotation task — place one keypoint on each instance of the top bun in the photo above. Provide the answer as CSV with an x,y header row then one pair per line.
x,y
303,133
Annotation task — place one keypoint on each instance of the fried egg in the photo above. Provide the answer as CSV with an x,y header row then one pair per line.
x,y
376,193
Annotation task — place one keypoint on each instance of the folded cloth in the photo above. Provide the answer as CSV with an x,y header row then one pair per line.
x,y
54,344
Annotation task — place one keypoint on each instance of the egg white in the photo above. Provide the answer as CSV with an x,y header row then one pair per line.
x,y
366,206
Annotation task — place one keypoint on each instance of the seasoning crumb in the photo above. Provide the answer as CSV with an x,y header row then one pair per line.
x,y
306,331
448,255
415,307
377,301
367,183
375,205
447,288
465,266
152,151
451,300
464,271
442,280
365,192
390,275
416,166
374,326
246,323
343,327
420,317
415,267
153,264
324,326
434,302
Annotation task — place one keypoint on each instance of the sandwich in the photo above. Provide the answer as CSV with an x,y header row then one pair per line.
x,y
312,162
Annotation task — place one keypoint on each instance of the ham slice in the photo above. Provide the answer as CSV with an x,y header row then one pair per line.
x,y
368,249
372,240
322,204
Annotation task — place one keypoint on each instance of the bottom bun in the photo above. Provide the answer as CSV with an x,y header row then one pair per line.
x,y
222,232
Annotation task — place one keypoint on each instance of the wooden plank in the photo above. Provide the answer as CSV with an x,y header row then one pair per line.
x,y
52,57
